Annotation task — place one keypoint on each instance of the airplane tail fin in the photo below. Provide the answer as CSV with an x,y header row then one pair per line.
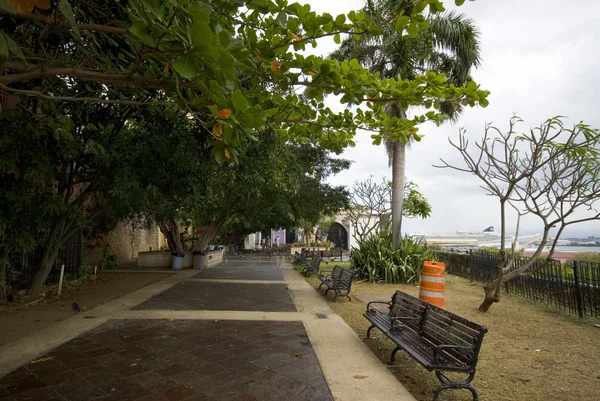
x,y
490,229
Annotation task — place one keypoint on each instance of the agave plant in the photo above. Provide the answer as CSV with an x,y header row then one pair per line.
x,y
375,259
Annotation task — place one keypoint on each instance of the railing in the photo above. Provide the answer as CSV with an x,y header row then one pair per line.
x,y
573,288
23,267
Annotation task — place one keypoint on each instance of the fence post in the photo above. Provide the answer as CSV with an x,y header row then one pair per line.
x,y
60,280
578,293
471,265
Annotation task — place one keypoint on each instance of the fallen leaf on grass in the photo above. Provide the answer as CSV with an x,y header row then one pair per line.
x,y
360,377
524,380
43,359
298,355
133,364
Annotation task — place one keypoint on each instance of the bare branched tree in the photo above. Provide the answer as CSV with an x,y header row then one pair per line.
x,y
370,206
551,172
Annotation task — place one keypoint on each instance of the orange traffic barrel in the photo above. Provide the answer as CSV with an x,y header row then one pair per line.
x,y
432,284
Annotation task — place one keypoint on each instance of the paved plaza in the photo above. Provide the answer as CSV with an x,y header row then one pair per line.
x,y
242,331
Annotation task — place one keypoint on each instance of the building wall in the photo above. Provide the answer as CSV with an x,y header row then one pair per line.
x,y
125,241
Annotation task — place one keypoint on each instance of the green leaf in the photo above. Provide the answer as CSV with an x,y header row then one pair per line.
x,y
260,115
185,66
459,2
401,23
484,103
14,48
413,30
155,8
214,109
138,29
201,34
4,6
239,101
65,9
282,19
3,46
337,39
246,119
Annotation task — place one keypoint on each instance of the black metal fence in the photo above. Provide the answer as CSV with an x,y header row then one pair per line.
x,y
574,288
23,267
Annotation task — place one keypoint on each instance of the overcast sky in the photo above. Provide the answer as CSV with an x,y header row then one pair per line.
x,y
539,60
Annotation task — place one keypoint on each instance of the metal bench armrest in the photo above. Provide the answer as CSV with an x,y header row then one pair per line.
x,y
377,302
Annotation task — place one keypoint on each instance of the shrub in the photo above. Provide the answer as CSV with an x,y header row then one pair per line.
x,y
109,259
84,270
583,257
375,260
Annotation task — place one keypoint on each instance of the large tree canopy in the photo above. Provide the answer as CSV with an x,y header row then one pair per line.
x,y
236,66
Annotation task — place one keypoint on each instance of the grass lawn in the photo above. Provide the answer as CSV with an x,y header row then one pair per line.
x,y
325,266
531,353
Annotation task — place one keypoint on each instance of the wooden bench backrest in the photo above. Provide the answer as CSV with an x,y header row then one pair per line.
x,y
404,305
346,278
336,273
317,261
442,327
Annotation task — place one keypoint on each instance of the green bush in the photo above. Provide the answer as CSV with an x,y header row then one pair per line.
x,y
583,257
84,270
109,259
376,261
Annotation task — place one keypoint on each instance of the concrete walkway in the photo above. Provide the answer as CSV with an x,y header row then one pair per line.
x,y
244,330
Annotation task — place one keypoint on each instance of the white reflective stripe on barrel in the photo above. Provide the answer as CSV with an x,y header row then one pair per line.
x,y
432,279
432,294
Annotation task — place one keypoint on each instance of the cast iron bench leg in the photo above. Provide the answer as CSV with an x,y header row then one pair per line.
x,y
339,294
394,352
447,384
369,330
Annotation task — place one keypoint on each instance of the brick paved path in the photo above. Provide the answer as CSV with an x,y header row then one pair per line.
x,y
191,360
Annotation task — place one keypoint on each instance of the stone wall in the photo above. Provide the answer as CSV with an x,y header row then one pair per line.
x,y
125,241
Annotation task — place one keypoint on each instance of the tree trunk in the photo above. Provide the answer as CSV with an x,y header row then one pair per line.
x,y
491,295
49,254
48,257
3,278
398,170
210,233
170,230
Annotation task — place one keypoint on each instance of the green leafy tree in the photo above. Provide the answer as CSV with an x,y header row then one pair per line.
x,y
445,44
274,185
61,163
27,196
239,63
159,160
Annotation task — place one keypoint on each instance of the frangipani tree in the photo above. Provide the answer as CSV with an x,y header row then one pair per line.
x,y
551,172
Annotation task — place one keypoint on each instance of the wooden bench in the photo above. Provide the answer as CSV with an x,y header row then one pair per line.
x,y
437,339
340,280
313,266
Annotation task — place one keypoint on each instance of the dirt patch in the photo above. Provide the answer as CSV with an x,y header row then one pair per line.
x,y
531,353
17,323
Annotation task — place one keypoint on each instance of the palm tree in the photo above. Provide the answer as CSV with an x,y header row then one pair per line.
x,y
449,45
